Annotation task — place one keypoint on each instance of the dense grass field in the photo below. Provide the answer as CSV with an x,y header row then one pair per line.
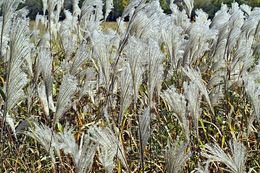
x,y
157,92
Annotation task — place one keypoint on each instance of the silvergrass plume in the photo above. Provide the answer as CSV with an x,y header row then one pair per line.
x,y
67,90
235,161
176,156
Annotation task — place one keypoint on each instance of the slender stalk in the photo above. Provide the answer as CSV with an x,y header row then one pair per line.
x,y
2,37
6,92
1,56
140,139
150,148
111,84
5,111
54,118
122,44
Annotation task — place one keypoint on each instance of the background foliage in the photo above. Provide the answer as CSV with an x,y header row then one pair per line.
x,y
209,6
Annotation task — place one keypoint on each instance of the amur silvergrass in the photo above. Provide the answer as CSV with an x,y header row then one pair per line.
x,y
235,162
101,94
16,79
8,8
176,156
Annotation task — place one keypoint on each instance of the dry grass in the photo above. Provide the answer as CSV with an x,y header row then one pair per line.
x,y
156,97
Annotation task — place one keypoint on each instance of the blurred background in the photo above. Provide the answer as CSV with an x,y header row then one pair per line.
x,y
209,6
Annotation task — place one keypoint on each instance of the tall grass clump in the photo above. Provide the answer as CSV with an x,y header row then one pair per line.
x,y
158,93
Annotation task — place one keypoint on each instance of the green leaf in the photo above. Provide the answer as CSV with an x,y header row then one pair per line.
x,y
60,128
2,93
